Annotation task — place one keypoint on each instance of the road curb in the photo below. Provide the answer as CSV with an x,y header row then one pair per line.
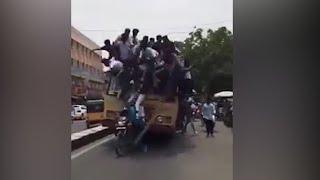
x,y
87,136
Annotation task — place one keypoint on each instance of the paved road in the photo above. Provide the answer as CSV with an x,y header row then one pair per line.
x,y
185,157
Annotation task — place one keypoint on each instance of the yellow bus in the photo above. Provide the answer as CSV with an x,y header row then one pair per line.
x,y
95,112
161,116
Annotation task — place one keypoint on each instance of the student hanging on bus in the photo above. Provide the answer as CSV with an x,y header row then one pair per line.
x,y
158,44
125,33
111,49
134,38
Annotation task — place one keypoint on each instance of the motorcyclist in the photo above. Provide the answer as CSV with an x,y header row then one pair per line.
x,y
138,124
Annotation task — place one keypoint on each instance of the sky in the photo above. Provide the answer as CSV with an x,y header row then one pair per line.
x,y
107,19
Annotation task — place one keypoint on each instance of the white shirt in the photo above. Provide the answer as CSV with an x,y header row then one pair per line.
x,y
133,41
115,64
208,111
136,50
193,106
118,40
125,51
188,73
150,53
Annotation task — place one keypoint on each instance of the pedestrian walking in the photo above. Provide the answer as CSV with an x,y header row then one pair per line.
x,y
188,116
208,111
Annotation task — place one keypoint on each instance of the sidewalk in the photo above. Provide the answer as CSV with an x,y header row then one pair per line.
x,y
79,139
78,125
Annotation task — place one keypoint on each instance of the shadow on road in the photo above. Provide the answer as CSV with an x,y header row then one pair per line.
x,y
158,146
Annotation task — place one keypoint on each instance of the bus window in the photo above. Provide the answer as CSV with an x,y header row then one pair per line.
x,y
95,106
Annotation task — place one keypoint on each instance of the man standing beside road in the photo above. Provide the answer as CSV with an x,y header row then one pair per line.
x,y
208,111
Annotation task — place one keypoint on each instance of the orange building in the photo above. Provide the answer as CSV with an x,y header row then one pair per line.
x,y
88,78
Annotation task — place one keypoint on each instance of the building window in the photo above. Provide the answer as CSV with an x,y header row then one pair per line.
x,y
91,55
85,51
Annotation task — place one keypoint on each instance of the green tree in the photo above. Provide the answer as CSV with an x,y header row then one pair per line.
x,y
211,53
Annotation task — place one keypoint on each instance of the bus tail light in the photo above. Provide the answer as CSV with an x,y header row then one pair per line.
x,y
163,119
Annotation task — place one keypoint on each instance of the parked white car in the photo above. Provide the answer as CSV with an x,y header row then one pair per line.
x,y
72,113
79,112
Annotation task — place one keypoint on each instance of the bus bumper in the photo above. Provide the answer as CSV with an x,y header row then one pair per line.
x,y
162,129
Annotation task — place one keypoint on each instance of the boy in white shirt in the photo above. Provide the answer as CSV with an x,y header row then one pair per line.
x,y
208,111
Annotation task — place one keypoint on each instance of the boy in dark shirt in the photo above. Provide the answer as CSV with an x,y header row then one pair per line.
x,y
111,49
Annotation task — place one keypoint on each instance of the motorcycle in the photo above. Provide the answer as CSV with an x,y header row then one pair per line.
x,y
127,139
122,136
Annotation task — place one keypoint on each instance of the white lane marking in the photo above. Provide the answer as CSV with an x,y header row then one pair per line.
x,y
92,146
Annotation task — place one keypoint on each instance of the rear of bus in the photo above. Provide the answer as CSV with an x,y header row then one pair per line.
x,y
95,112
161,115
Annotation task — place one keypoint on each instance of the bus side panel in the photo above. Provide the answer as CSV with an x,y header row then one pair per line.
x,y
96,116
113,106
112,103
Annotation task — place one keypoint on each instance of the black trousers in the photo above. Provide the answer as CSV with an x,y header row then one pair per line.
x,y
209,126
186,86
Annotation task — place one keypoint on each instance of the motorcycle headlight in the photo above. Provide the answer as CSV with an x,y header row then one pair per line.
x,y
120,123
122,118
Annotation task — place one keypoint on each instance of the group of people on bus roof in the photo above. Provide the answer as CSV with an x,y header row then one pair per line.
x,y
151,65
